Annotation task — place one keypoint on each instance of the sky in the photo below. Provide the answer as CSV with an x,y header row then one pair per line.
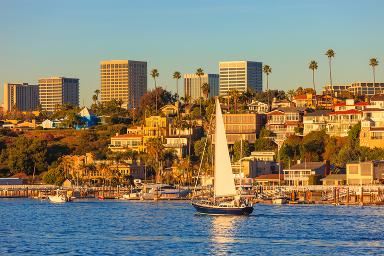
x,y
69,38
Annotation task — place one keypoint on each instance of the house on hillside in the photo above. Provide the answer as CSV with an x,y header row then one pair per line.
x,y
304,174
88,118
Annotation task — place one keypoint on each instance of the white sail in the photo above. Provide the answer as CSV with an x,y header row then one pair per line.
x,y
224,180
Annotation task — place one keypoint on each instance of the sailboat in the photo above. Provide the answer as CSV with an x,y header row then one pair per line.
x,y
225,200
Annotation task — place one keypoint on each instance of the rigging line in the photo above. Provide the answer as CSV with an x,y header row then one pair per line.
x,y
202,156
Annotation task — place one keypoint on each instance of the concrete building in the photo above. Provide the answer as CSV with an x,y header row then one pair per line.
x,y
240,76
192,87
356,88
304,174
56,91
315,121
365,173
243,126
20,97
284,122
124,80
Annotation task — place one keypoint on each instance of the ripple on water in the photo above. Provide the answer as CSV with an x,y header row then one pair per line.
x,y
93,227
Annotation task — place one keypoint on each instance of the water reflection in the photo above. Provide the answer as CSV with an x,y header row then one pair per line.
x,y
223,233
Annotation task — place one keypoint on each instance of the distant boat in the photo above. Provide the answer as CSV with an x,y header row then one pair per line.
x,y
225,200
279,200
60,197
163,191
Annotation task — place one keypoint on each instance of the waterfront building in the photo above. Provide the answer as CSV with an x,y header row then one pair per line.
x,y
281,103
270,180
284,122
20,97
192,85
377,101
334,180
315,121
240,76
365,173
371,136
258,107
164,128
307,100
304,174
267,156
124,142
244,126
124,80
57,91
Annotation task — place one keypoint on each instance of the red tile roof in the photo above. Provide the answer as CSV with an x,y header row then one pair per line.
x,y
300,97
346,112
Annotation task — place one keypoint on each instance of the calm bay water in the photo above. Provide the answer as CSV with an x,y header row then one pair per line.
x,y
29,227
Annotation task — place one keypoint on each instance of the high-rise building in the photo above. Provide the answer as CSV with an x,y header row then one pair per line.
x,y
21,97
192,87
240,76
124,80
56,91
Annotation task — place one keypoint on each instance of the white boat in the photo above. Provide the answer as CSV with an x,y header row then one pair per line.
x,y
163,191
60,197
226,200
279,200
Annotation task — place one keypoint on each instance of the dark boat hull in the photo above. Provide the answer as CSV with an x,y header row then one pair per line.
x,y
216,210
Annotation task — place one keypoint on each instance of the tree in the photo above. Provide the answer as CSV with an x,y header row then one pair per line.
x,y
290,151
155,150
154,75
313,66
241,149
200,73
97,92
234,94
55,175
313,146
27,155
330,54
267,71
205,89
373,62
177,76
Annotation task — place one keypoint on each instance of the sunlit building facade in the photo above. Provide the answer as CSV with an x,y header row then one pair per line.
x,y
240,75
124,80
56,91
192,88
20,97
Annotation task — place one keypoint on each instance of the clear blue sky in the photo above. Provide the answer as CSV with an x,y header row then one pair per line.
x,y
69,38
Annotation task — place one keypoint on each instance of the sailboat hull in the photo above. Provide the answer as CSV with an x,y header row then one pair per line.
x,y
218,210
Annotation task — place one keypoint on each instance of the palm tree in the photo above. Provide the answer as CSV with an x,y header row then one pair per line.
x,y
267,70
330,54
290,94
235,95
205,88
154,75
177,76
97,92
200,73
313,66
373,62
94,98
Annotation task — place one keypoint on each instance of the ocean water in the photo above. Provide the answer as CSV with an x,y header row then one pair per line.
x,y
31,227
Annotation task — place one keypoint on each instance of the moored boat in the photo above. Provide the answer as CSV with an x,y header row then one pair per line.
x,y
59,197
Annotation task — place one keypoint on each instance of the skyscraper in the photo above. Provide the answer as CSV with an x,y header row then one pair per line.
x,y
21,97
56,91
124,80
240,75
192,85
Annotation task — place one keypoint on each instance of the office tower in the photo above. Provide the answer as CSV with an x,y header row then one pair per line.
x,y
56,91
21,97
240,76
192,87
124,80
